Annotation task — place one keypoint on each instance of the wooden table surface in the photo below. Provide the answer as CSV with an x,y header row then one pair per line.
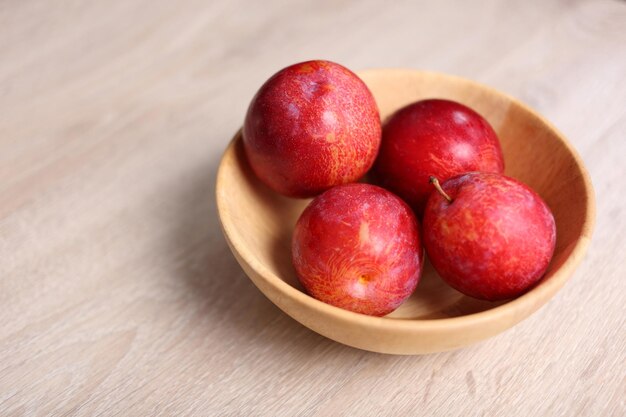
x,y
118,294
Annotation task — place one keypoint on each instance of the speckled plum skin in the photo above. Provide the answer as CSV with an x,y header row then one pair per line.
x,y
357,247
434,137
494,240
311,126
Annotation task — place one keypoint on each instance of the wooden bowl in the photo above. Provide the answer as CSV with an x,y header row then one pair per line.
x,y
258,224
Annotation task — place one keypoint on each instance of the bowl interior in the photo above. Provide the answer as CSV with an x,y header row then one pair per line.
x,y
263,221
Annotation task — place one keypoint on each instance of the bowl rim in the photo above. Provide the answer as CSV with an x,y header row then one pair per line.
x,y
526,302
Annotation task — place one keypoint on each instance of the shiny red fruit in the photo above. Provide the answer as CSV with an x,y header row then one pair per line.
x,y
311,126
434,137
494,240
357,247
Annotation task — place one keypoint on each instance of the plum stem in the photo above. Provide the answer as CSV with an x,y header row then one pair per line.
x,y
435,182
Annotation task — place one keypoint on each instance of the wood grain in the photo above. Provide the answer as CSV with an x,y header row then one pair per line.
x,y
119,295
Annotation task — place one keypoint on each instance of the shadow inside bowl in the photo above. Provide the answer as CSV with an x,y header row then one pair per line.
x,y
277,214
434,299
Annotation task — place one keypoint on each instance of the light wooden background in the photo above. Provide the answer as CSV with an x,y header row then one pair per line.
x,y
118,295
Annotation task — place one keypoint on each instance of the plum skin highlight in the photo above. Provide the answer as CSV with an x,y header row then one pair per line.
x,y
357,246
